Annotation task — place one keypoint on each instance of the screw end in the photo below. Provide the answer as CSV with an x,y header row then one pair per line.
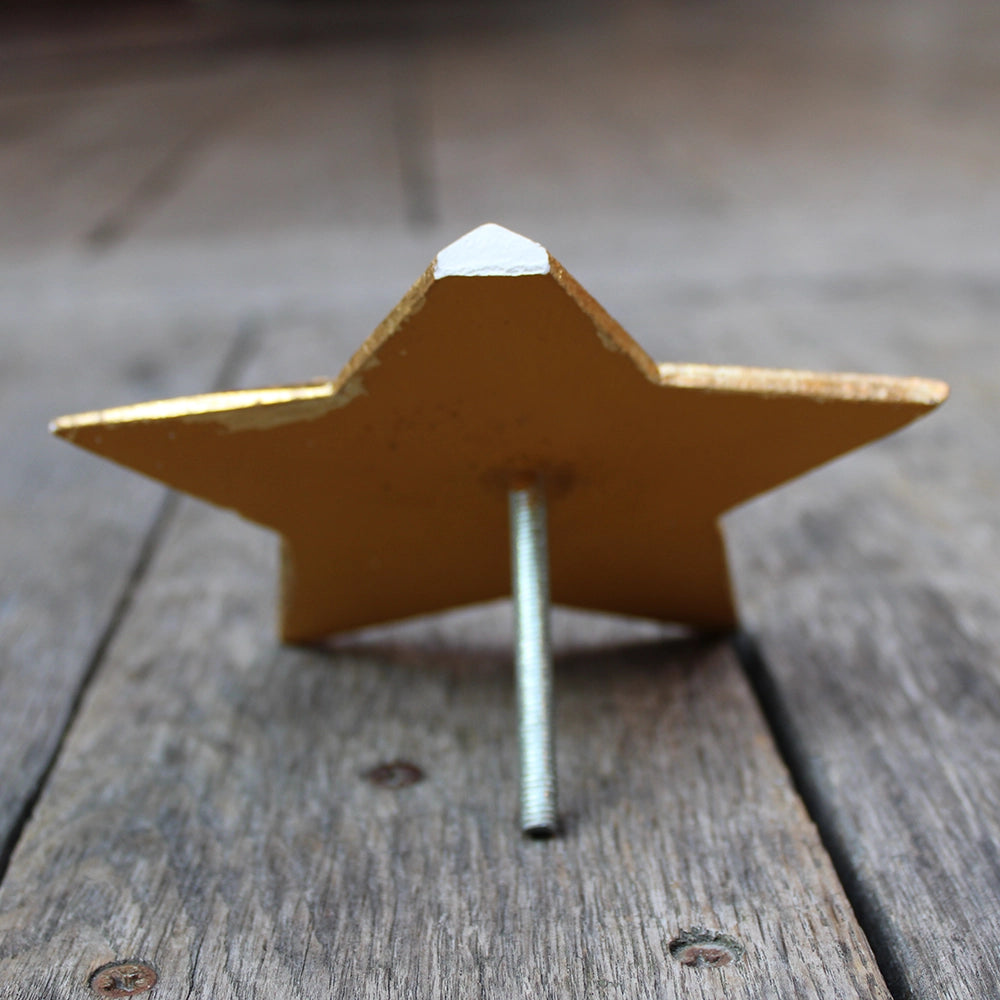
x,y
540,831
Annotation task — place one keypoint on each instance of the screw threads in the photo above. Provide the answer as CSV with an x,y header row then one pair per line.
x,y
530,584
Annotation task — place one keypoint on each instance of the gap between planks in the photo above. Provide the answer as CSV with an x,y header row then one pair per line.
x,y
870,914
237,357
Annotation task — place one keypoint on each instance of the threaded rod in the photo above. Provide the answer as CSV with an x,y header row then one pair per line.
x,y
530,584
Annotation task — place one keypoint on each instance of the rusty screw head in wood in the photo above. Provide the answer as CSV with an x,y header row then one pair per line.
x,y
123,979
699,948
394,775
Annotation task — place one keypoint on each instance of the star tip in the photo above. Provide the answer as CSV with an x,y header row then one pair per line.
x,y
938,391
61,426
69,426
491,250
928,393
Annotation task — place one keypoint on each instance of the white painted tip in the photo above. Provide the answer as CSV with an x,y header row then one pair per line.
x,y
492,251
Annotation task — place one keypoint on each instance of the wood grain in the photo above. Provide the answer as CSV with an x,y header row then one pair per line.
x,y
211,814
70,538
872,594
900,764
77,328
69,545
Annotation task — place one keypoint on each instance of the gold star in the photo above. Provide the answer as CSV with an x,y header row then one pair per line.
x,y
388,484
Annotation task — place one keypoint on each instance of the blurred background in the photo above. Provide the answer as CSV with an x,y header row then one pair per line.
x,y
237,191
680,148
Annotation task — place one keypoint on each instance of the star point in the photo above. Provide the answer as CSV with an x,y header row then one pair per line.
x,y
491,251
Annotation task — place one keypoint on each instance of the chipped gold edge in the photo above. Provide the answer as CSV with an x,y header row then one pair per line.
x,y
609,331
251,409
821,386
257,409
215,404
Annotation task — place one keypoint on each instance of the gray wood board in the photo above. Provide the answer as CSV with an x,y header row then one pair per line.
x,y
75,334
872,591
71,531
211,815
83,158
80,331
889,697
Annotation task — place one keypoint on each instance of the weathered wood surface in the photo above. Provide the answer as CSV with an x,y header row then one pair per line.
x,y
885,682
813,191
85,153
211,815
706,832
67,544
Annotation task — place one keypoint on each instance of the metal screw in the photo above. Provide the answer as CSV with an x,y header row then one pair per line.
x,y
530,584
699,948
123,979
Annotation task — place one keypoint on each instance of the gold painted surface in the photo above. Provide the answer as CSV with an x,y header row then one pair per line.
x,y
388,485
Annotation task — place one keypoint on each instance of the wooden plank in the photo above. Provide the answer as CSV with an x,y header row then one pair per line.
x,y
83,162
901,762
82,331
315,149
212,814
68,548
871,590
70,533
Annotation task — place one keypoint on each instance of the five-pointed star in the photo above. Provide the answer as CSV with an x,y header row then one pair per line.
x,y
388,484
